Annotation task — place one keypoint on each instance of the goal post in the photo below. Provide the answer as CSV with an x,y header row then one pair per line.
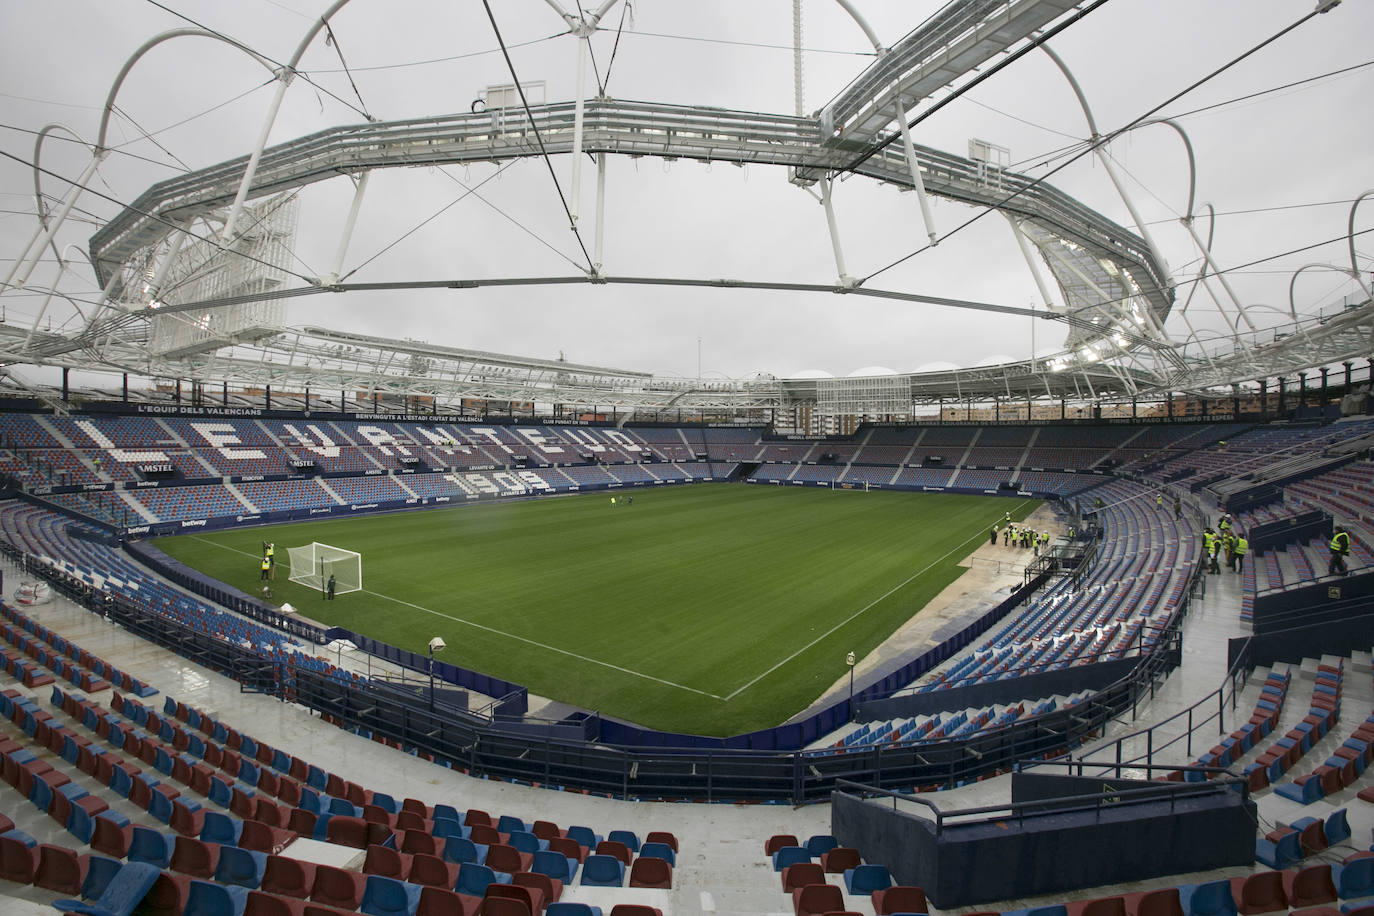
x,y
313,564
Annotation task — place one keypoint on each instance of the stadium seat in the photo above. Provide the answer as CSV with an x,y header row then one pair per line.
x,y
432,871
125,890
347,831
60,869
659,851
260,903
194,857
628,837
789,855
532,898
837,860
568,847
243,867
505,906
1355,877
572,909
778,841
820,844
555,865
437,901
619,850
168,894
110,836
899,899
221,828
816,899
603,871
865,879
662,836
1337,827
1099,906
1261,892
459,850
1310,886
795,877
524,841
206,898
545,830
1163,902
260,837
100,872
387,862
288,877
583,835
647,871
147,845
473,879
384,896
550,888
337,887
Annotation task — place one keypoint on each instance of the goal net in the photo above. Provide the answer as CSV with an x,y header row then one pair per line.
x,y
313,564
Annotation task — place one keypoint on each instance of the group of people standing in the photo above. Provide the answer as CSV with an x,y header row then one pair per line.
x,y
1014,535
1228,540
1233,544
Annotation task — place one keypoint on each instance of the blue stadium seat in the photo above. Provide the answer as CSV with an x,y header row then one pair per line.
x,y
602,871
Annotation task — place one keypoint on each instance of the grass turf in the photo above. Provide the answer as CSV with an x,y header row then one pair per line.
x,y
710,609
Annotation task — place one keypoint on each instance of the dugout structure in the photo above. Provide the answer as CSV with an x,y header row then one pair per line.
x,y
313,564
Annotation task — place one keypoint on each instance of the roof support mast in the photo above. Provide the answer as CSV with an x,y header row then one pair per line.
x,y
908,148
1099,144
24,265
359,190
284,77
1030,263
827,191
583,26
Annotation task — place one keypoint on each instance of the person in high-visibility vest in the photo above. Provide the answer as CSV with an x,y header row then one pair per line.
x,y
271,556
1209,549
1340,549
1241,549
266,568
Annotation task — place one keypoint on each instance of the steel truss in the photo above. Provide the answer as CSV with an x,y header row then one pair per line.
x,y
1116,294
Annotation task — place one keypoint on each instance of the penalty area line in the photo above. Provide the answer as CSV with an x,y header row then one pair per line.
x,y
876,601
494,631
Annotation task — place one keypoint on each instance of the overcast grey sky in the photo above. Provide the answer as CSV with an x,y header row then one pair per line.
x,y
1282,167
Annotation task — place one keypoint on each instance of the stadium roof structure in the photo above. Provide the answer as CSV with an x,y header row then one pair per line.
x,y
195,284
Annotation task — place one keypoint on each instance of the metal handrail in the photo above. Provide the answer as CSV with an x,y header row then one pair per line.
x,y
1226,782
1239,670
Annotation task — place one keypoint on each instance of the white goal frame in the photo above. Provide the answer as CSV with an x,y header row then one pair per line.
x,y
313,564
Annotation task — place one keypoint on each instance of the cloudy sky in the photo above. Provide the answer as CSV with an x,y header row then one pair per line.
x,y
1281,166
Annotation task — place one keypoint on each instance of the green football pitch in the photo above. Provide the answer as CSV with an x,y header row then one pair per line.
x,y
712,609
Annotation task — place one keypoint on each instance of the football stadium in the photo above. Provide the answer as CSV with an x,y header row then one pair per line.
x,y
414,502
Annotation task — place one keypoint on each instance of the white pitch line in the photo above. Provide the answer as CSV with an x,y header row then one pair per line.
x,y
480,626
896,588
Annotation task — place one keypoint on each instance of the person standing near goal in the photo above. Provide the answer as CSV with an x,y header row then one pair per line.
x,y
329,588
